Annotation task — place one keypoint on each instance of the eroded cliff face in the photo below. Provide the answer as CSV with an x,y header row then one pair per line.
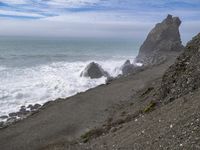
x,y
183,77
163,39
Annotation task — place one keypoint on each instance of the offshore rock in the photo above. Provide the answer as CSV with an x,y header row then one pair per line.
x,y
163,39
128,68
94,71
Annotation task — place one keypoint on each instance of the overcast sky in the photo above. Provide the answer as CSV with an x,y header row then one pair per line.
x,y
95,18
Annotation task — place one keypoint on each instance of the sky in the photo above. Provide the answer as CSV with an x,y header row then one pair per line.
x,y
95,18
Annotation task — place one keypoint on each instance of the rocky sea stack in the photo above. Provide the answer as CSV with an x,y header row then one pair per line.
x,y
94,71
183,76
163,39
127,68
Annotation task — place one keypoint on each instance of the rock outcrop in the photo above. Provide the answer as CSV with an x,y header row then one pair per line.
x,y
184,76
127,68
94,70
163,39
19,115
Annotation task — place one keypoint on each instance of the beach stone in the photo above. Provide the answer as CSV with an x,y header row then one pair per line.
x,y
94,70
182,77
10,120
3,117
128,68
30,106
1,124
14,114
109,80
162,40
34,107
23,107
22,112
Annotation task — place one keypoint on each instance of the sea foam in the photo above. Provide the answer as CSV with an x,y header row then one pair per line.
x,y
39,84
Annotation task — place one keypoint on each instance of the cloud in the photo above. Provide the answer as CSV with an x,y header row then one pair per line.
x,y
125,7
70,3
14,1
94,18
17,13
72,29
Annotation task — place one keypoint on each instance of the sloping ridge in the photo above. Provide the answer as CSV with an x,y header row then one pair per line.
x,y
183,77
174,125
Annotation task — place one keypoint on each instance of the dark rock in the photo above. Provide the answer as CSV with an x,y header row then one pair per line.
x,y
30,106
94,70
109,80
1,124
128,68
10,120
3,117
163,39
23,107
183,76
22,112
34,107
14,114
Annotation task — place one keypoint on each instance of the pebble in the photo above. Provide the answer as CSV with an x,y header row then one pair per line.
x,y
113,130
143,131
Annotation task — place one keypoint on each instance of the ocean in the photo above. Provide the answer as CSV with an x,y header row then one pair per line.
x,y
37,70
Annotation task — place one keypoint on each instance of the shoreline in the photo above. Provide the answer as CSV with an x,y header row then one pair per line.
x,y
53,85
26,111
70,118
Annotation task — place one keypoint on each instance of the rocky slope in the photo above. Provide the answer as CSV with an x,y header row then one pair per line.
x,y
142,123
123,115
60,124
184,76
163,39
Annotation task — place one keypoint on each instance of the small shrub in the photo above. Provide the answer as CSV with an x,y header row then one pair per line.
x,y
150,107
92,134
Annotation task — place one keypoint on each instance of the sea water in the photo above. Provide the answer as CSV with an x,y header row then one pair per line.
x,y
37,70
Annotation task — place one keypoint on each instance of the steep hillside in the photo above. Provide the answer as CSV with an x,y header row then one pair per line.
x,y
184,76
142,123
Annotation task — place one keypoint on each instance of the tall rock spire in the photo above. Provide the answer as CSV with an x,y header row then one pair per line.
x,y
163,39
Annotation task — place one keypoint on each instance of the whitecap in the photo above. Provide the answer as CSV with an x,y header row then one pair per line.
x,y
39,84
